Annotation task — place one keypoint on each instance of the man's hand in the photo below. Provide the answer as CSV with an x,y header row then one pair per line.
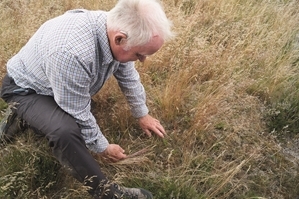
x,y
114,153
150,124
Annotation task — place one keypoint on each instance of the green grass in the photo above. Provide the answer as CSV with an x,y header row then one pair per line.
x,y
28,171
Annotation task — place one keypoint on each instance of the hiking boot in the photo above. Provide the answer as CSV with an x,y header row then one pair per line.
x,y
109,190
118,192
10,126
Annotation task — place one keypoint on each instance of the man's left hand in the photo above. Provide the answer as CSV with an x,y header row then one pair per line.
x,y
150,124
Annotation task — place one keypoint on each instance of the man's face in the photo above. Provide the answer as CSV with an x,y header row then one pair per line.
x,y
136,53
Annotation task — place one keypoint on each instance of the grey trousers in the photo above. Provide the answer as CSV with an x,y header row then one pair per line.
x,y
62,132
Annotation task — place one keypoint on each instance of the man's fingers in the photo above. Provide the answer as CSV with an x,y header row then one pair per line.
x,y
114,158
160,133
148,133
161,129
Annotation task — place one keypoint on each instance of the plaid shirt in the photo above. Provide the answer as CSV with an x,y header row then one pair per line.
x,y
69,58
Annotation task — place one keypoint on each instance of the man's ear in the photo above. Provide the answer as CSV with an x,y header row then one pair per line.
x,y
120,39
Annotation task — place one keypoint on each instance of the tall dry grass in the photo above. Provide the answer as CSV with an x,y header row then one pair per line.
x,y
226,90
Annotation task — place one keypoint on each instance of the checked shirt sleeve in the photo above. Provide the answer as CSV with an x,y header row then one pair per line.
x,y
70,81
129,81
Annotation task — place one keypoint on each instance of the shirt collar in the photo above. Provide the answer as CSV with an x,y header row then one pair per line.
x,y
103,38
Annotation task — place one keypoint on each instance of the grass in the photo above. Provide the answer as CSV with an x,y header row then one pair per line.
x,y
225,89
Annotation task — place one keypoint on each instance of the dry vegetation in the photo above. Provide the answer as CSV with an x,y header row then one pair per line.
x,y
226,90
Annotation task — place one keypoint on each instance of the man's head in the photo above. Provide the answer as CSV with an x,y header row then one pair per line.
x,y
137,28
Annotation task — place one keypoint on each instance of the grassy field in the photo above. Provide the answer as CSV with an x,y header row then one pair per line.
x,y
225,89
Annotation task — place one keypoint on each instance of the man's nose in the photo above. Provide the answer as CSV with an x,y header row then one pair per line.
x,y
142,58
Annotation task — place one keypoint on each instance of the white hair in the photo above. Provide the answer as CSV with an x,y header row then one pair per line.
x,y
140,20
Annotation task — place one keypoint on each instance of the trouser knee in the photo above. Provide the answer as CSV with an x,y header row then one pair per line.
x,y
65,135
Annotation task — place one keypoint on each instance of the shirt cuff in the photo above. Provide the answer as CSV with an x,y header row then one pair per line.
x,y
99,145
140,111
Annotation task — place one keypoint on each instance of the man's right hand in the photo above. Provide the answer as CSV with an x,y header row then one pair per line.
x,y
114,153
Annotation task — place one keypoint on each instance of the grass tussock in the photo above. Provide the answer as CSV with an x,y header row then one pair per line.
x,y
226,90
